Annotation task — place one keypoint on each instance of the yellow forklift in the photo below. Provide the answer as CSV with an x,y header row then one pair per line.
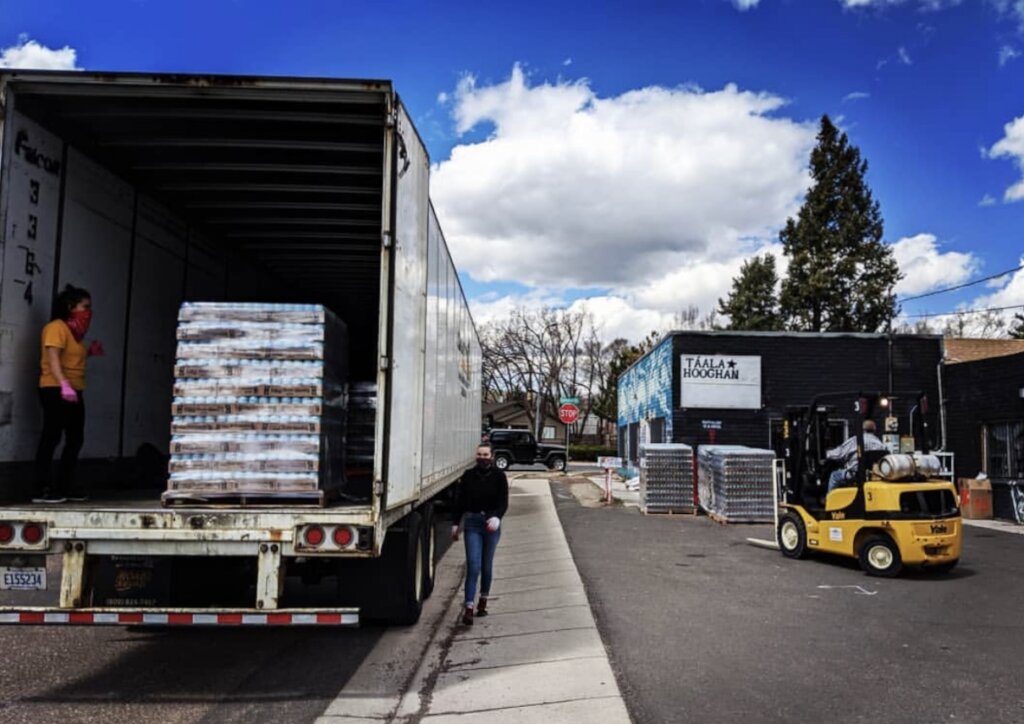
x,y
890,511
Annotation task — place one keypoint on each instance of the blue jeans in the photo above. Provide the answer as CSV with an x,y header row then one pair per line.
x,y
837,478
480,547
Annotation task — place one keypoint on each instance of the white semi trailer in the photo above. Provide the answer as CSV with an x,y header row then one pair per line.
x,y
150,190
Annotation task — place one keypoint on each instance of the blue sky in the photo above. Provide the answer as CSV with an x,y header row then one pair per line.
x,y
634,153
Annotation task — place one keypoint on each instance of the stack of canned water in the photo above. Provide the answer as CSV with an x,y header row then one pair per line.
x,y
734,482
666,478
361,435
260,403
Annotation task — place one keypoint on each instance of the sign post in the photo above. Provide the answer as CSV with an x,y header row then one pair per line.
x,y
568,413
608,464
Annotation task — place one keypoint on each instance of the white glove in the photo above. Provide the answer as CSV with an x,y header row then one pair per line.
x,y
455,532
493,523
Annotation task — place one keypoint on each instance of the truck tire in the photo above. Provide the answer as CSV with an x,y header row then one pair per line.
x,y
502,462
395,595
429,549
556,463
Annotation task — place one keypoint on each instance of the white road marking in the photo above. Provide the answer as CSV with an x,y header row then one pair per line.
x,y
859,589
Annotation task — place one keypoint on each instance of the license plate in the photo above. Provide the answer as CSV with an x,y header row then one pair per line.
x,y
23,579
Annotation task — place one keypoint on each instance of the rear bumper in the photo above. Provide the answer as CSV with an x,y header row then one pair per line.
x,y
37,616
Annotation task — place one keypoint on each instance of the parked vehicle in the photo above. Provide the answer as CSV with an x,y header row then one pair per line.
x,y
150,190
520,447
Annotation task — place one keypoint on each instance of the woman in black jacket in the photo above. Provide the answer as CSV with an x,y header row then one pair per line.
x,y
480,504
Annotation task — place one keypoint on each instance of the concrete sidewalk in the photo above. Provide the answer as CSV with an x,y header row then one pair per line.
x,y
537,657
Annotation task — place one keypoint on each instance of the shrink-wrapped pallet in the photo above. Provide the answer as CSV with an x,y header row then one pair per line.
x,y
260,404
734,483
666,478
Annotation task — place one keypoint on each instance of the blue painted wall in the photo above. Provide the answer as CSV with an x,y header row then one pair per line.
x,y
645,389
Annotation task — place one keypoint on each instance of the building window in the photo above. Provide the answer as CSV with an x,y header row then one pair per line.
x,y
548,432
1004,449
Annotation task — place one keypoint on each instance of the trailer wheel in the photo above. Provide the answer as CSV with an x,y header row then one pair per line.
x,y
429,549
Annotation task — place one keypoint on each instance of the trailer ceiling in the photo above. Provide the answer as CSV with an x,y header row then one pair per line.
x,y
287,172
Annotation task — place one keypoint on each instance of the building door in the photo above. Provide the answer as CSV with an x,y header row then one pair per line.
x,y
658,430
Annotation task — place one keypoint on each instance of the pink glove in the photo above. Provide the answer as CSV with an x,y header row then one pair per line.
x,y
96,349
493,523
455,532
67,392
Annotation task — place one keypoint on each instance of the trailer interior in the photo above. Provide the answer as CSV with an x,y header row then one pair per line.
x,y
240,190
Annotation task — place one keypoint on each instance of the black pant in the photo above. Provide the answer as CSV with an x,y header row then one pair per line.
x,y
59,418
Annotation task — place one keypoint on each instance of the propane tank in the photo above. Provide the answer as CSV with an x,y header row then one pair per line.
x,y
927,465
896,467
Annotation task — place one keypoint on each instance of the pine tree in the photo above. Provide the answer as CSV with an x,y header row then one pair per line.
x,y
752,304
1017,330
841,276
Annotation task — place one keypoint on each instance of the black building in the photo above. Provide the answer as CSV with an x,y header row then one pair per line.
x,y
735,387
984,416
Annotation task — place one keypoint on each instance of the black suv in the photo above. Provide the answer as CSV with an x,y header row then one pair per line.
x,y
520,447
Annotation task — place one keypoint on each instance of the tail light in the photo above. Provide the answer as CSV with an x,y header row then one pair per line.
x,y
313,536
32,533
343,536
6,533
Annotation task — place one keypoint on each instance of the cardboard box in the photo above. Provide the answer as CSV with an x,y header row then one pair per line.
x,y
976,499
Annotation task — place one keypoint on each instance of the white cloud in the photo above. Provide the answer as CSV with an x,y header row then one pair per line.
x,y
30,54
987,200
1013,9
742,5
442,98
904,56
1011,146
577,190
856,96
567,62
924,5
925,267
1006,54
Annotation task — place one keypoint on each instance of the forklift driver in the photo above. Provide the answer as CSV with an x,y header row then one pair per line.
x,y
847,452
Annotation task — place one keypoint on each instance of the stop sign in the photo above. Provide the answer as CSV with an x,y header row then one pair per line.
x,y
568,413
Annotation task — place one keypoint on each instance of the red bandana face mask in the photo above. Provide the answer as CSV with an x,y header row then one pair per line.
x,y
79,323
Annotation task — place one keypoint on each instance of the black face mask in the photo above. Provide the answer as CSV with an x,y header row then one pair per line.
x,y
483,463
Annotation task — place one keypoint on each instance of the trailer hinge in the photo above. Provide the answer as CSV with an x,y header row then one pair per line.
x,y
378,487
386,239
392,118
384,362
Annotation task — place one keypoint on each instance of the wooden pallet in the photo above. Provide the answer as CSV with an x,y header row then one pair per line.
x,y
252,498
668,513
722,520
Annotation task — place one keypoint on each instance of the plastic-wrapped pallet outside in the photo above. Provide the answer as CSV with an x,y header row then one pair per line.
x,y
735,482
260,404
666,478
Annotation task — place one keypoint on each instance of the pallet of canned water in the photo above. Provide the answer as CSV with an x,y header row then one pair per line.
x,y
666,478
260,404
735,483
361,430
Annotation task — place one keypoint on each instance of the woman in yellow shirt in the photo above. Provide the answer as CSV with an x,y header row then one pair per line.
x,y
61,392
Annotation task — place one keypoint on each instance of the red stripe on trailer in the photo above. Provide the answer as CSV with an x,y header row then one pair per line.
x,y
32,617
79,617
179,619
231,619
328,618
130,618
278,619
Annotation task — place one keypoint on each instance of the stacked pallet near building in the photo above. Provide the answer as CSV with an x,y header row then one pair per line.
x,y
666,478
260,404
734,483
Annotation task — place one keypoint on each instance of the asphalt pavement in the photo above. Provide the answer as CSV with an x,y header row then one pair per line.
x,y
702,626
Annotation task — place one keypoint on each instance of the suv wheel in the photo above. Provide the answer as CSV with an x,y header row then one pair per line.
x,y
556,463
501,462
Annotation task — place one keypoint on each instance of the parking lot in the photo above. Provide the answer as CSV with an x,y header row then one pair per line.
x,y
702,626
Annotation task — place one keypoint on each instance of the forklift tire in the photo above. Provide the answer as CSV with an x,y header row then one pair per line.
x,y
792,536
880,556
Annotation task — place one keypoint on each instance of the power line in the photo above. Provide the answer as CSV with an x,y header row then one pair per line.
x,y
965,311
962,286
